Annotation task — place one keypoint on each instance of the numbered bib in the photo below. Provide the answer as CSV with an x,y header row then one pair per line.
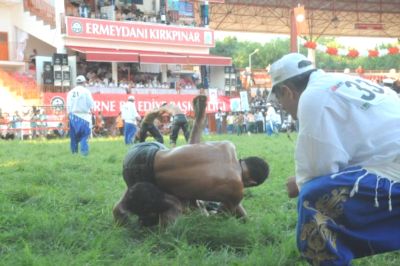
x,y
362,91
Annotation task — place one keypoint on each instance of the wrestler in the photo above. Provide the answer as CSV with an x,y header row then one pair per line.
x,y
207,171
147,125
179,122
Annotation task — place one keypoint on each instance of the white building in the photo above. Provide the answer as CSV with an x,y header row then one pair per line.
x,y
147,34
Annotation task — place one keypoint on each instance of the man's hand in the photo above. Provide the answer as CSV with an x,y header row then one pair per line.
x,y
292,188
202,207
121,216
236,210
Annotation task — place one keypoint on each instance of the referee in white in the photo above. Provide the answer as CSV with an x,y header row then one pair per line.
x,y
79,105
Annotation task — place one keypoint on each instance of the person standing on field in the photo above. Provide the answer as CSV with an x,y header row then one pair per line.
x,y
130,117
347,167
219,118
119,124
79,105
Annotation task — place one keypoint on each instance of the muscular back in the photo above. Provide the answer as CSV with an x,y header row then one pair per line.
x,y
205,171
151,116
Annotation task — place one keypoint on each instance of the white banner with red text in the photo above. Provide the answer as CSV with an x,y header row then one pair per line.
x,y
131,31
110,104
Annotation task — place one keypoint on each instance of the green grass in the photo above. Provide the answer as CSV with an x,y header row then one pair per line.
x,y
55,209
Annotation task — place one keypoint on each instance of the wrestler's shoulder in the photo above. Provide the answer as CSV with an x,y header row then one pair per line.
x,y
222,143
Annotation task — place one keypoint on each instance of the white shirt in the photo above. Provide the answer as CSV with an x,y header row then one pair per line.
x,y
218,116
347,121
259,116
271,114
129,113
79,102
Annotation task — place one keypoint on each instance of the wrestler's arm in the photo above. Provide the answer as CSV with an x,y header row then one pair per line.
x,y
236,210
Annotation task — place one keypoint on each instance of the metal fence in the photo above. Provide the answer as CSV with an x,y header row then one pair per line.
x,y
34,122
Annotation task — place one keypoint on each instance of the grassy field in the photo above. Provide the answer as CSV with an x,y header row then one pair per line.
x,y
56,210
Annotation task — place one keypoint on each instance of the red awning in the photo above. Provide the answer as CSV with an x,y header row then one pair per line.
x,y
137,56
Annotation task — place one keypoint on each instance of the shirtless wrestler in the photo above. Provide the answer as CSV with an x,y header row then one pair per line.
x,y
160,180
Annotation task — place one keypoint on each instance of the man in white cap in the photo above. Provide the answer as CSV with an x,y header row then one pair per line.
x,y
79,105
130,117
347,161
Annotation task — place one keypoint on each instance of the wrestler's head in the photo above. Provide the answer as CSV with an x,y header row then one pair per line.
x,y
258,171
145,200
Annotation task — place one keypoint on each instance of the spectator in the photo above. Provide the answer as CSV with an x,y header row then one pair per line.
x,y
42,122
32,60
130,117
230,120
79,105
3,124
119,124
219,118
34,122
347,168
245,122
59,130
270,120
251,123
16,125
259,117
239,123
99,124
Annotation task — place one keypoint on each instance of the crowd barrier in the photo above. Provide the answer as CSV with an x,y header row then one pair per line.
x,y
47,122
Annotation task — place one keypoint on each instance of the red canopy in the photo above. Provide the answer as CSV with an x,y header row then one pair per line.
x,y
150,57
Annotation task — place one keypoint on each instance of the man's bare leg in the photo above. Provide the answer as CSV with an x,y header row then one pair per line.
x,y
199,106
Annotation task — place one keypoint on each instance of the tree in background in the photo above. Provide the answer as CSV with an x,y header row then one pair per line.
x,y
271,51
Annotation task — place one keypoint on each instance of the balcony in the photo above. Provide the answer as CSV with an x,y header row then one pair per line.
x,y
42,9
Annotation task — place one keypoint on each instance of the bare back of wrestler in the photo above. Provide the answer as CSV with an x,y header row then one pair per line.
x,y
206,171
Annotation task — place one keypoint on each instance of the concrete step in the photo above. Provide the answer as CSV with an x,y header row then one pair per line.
x,y
36,27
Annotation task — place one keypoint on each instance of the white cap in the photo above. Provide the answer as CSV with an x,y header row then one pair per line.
x,y
388,81
289,66
131,98
80,79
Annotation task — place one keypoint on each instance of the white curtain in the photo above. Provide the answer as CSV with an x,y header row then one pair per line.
x,y
22,37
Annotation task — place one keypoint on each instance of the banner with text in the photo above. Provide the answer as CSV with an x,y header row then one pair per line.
x,y
131,31
110,104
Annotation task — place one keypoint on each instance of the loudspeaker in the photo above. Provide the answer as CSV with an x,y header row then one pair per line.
x,y
66,83
60,59
66,75
48,78
47,67
57,75
57,78
64,60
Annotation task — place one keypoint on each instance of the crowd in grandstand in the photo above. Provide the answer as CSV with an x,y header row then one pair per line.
x,y
124,11
99,77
